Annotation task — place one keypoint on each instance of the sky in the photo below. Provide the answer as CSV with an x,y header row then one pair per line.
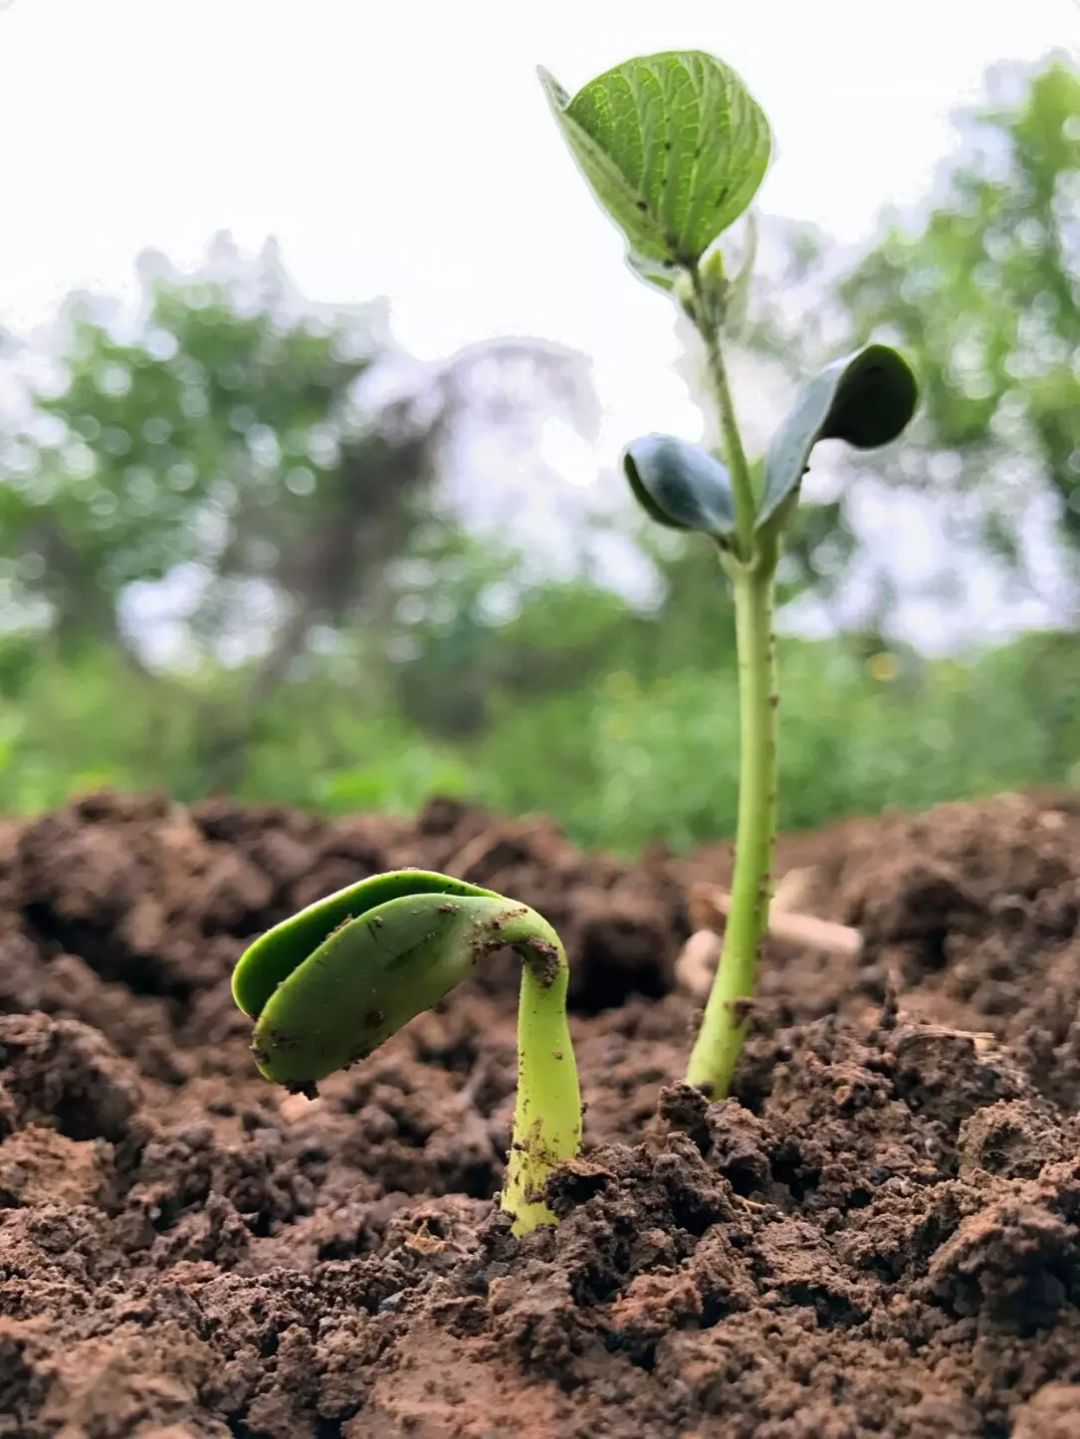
x,y
405,149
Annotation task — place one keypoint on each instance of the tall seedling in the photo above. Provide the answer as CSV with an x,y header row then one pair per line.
x,y
674,148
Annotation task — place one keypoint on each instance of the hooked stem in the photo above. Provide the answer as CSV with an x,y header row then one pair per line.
x,y
547,1116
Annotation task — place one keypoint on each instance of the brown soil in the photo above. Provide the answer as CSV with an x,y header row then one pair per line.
x,y
880,1235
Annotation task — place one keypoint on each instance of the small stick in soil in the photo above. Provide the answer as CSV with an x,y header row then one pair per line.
x,y
711,906
697,961
331,984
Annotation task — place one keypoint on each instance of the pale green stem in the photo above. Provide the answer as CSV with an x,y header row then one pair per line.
x,y
742,486
752,569
724,1024
547,1116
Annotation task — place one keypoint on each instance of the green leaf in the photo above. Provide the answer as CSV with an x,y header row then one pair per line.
x,y
865,399
680,485
674,148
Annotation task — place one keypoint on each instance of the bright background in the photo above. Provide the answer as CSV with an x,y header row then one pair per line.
x,y
406,152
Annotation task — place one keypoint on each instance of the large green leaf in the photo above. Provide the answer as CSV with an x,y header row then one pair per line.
x,y
865,399
680,485
674,147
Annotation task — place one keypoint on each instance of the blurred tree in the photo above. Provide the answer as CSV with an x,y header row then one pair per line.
x,y
251,463
237,488
984,293
982,288
475,628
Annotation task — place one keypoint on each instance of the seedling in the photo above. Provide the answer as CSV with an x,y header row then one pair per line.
x,y
328,986
674,148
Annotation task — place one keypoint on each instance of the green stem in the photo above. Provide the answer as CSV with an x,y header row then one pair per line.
x,y
752,569
724,1024
547,1116
742,485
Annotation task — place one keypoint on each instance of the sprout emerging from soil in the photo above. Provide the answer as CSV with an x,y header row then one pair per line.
x,y
331,984
674,148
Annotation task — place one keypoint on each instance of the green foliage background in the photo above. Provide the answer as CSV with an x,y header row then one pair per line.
x,y
622,762
347,642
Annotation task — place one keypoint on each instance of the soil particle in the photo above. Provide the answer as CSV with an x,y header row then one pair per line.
x,y
61,1072
878,1234
1049,1414
37,1165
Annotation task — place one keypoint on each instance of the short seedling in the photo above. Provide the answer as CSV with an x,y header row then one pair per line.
x,y
329,985
674,148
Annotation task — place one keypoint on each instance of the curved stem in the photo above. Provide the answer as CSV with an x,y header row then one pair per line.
x,y
547,1116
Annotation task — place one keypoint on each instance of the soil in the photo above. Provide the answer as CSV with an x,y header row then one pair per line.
x,y
879,1234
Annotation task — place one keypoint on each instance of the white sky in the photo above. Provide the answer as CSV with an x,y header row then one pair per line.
x,y
404,148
